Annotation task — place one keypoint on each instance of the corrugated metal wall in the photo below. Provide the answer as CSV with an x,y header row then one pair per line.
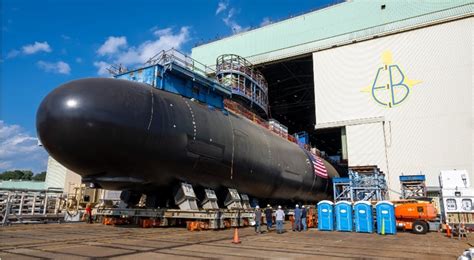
x,y
367,145
432,129
338,24
58,176
55,174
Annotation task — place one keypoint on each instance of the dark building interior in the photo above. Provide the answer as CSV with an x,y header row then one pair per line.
x,y
292,101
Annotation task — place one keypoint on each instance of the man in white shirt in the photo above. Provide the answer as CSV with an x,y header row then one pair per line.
x,y
279,217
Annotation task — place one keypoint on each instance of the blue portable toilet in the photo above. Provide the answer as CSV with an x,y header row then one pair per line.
x,y
386,223
364,221
343,211
325,215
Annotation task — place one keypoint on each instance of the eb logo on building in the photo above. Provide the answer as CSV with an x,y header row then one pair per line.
x,y
390,86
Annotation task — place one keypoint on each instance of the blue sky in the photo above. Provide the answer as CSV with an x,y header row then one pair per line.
x,y
46,43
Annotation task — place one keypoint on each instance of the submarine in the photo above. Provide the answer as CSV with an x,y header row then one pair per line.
x,y
124,135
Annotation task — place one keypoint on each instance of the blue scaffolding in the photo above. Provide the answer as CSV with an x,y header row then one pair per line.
x,y
413,186
178,73
367,186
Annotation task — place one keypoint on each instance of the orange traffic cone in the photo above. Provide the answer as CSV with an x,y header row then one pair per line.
x,y
236,236
448,230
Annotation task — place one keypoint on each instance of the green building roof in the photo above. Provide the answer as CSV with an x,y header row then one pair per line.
x,y
22,185
335,25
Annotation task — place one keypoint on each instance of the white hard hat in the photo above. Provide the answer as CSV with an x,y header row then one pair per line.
x,y
297,205
257,207
279,206
302,206
268,205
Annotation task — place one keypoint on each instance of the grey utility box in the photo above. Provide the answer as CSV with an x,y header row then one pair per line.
x,y
232,201
185,197
210,200
245,201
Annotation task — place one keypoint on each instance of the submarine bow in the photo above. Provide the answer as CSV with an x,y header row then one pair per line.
x,y
125,135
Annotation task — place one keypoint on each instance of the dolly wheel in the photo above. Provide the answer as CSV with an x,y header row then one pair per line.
x,y
420,227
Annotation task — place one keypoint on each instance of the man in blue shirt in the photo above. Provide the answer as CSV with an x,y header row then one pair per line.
x,y
297,216
303,217
269,216
258,219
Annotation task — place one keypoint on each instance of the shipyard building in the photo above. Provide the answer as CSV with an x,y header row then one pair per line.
x,y
383,83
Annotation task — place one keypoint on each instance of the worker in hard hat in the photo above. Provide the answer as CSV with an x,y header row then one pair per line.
x,y
280,218
269,216
303,217
88,213
297,216
258,219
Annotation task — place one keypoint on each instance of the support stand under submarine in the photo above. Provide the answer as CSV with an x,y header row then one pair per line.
x,y
162,128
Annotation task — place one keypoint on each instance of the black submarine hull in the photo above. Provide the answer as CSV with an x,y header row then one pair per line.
x,y
124,135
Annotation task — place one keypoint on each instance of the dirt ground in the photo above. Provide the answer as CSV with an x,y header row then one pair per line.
x,y
80,241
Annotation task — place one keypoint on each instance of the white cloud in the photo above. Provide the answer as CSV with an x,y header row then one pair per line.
x,y
18,150
13,54
29,49
162,32
230,21
5,165
78,60
65,37
102,67
221,7
59,67
36,47
265,21
165,39
112,45
7,130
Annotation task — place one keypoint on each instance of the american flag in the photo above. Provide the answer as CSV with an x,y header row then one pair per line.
x,y
319,167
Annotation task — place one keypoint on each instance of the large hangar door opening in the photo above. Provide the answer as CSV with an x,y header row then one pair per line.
x,y
333,142
291,93
292,103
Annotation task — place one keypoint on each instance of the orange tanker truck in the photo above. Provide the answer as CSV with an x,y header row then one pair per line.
x,y
414,215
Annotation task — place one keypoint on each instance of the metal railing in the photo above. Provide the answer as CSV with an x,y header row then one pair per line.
x,y
30,206
166,57
174,56
244,80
